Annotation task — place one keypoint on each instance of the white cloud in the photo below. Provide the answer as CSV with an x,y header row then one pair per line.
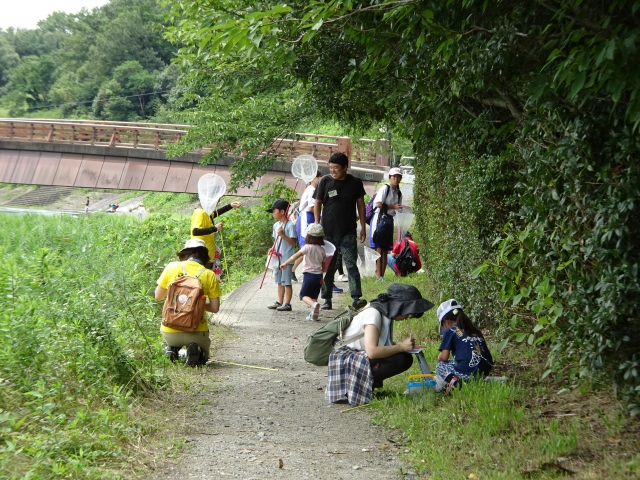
x,y
27,13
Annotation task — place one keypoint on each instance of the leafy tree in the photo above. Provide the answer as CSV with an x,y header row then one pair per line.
x,y
9,60
30,82
524,121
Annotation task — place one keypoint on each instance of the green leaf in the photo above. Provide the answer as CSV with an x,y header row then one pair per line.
x,y
577,84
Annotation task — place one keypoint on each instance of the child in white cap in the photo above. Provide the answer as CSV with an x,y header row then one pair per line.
x,y
313,266
464,341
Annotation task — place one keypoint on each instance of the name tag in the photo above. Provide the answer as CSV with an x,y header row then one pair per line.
x,y
332,193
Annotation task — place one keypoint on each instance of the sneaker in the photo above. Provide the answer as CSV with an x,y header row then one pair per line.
x,y
309,317
381,280
274,306
284,308
315,311
337,289
342,278
193,355
441,384
326,305
358,303
453,383
171,353
293,277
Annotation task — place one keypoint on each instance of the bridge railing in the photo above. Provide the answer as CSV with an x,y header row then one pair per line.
x,y
159,136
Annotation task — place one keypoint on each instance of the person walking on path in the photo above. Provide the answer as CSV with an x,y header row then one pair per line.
x,y
387,202
314,261
284,231
202,227
338,195
193,258
141,211
86,207
306,216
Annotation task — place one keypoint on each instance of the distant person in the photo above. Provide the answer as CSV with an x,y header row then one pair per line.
x,y
113,207
464,342
362,365
193,258
403,261
202,227
337,196
306,217
141,211
284,233
86,206
387,202
312,269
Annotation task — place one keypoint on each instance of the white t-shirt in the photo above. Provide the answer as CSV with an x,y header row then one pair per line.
x,y
391,198
306,201
368,316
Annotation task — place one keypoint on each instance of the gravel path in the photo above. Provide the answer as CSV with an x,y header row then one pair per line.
x,y
259,418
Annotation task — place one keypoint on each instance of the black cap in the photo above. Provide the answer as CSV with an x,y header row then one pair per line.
x,y
280,204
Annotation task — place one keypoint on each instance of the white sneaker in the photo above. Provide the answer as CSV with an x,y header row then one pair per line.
x,y
342,278
315,312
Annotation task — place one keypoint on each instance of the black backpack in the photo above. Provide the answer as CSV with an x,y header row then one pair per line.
x,y
406,261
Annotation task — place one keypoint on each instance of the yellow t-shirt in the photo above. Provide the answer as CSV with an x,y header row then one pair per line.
x,y
208,279
200,219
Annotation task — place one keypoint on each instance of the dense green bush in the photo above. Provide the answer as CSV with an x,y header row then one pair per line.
x,y
79,335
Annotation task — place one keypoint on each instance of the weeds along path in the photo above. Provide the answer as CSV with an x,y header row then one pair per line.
x,y
261,417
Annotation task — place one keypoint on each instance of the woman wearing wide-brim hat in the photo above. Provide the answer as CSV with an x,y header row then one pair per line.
x,y
360,366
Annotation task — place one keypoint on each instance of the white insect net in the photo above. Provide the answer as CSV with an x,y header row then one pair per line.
x,y
304,167
211,188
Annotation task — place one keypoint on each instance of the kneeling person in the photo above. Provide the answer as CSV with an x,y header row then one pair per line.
x,y
193,259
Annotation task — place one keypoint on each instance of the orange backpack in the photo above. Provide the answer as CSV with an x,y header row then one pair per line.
x,y
184,305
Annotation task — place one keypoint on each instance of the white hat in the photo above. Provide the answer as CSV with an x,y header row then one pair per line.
x,y
446,307
194,243
395,171
315,230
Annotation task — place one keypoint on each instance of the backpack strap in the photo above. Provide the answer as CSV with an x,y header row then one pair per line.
x,y
184,269
347,341
200,272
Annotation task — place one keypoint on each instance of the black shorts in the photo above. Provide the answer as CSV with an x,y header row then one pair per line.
x,y
311,285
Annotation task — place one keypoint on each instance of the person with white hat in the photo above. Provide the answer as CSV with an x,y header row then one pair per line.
x,y
388,200
464,341
193,260
315,258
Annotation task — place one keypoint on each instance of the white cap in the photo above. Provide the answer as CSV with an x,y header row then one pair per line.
x,y
446,307
395,171
194,243
315,230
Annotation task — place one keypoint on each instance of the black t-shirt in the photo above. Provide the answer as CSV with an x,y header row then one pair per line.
x,y
339,199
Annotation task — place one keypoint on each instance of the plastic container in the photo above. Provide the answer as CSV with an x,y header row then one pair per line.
x,y
330,250
420,383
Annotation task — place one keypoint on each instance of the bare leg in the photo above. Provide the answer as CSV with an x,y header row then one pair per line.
x,y
379,268
288,293
383,261
308,300
281,293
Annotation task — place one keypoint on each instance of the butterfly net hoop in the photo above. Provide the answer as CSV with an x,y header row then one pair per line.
x,y
304,167
403,222
211,188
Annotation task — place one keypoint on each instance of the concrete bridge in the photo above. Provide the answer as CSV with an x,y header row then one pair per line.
x,y
132,156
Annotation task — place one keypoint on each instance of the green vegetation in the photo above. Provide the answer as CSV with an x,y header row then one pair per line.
x,y
111,64
523,119
523,428
80,338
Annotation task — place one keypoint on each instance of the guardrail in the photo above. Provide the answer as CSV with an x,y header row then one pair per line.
x,y
158,136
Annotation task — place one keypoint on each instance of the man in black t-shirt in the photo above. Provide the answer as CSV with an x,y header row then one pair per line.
x,y
338,194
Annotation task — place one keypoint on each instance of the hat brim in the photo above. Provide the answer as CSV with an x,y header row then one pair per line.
x,y
416,307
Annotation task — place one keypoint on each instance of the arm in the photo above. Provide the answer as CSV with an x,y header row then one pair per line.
x,y
316,210
160,293
361,212
291,259
444,355
289,240
199,232
222,210
373,350
213,306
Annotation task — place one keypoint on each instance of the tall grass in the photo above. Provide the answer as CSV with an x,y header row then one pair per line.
x,y
79,333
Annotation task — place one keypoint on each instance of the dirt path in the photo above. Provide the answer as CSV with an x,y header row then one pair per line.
x,y
260,417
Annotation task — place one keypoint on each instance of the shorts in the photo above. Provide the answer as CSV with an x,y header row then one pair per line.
x,y
283,277
311,285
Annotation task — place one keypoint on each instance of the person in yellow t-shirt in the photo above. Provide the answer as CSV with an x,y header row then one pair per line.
x,y
202,227
193,256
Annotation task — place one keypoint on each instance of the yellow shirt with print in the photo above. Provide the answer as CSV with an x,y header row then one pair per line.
x,y
208,279
200,219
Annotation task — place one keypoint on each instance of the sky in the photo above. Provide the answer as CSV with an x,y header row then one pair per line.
x,y
27,13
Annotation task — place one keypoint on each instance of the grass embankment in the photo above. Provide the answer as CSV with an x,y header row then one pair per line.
x,y
523,428
79,338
